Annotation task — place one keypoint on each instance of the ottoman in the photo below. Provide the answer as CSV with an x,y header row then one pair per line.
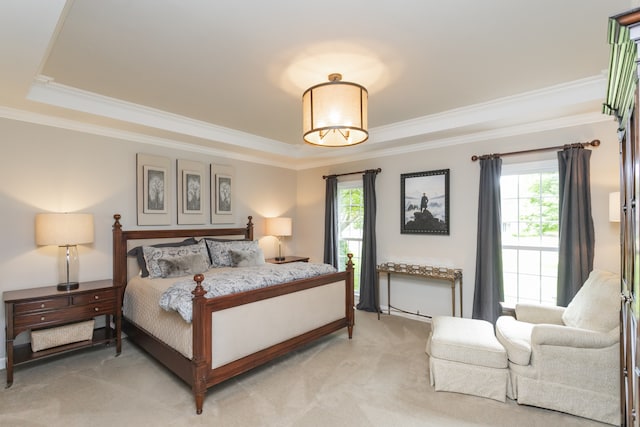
x,y
466,357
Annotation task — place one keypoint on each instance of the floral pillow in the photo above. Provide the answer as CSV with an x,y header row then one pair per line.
x,y
139,254
153,255
185,265
220,254
249,258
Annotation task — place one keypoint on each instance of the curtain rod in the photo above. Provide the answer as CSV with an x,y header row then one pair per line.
x,y
351,173
594,143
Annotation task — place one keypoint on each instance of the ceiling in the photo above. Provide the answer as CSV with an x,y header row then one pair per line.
x,y
226,78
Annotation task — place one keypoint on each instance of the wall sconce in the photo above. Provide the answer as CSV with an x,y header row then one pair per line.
x,y
614,207
334,114
279,227
65,230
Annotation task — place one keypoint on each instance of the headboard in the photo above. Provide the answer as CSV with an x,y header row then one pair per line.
x,y
121,239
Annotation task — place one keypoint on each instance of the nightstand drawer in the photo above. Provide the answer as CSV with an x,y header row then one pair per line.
x,y
93,297
46,304
54,317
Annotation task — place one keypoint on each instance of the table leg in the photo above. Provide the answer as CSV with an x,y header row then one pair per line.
x,y
378,288
9,348
453,298
460,284
389,293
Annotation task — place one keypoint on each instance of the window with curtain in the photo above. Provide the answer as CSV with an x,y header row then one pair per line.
x,y
350,222
530,225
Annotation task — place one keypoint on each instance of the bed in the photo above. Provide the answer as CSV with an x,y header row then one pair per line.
x,y
229,334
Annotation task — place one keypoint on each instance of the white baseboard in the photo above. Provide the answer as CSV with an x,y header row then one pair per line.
x,y
3,364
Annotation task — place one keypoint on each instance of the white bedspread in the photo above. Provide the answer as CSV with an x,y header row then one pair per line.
x,y
225,281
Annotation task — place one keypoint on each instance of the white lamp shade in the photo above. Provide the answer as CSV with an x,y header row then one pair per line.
x,y
614,207
278,226
334,114
63,229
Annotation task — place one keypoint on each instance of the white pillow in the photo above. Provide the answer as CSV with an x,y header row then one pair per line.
x,y
596,306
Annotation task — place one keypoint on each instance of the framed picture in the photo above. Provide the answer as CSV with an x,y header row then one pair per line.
x,y
193,192
154,194
155,189
222,194
424,202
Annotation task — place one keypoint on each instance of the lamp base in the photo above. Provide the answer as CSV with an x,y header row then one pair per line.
x,y
279,258
68,286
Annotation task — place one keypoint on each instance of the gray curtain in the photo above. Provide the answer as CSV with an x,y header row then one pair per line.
x,y
489,291
577,236
369,298
331,222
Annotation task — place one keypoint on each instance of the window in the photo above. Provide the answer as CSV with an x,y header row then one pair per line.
x,y
350,221
530,226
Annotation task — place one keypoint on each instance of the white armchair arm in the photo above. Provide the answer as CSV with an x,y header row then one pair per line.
x,y
536,313
565,336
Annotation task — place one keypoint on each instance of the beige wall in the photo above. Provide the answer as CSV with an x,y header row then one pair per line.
x,y
459,248
49,169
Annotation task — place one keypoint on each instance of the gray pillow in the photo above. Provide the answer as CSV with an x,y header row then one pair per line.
x,y
220,251
153,255
247,258
139,253
183,266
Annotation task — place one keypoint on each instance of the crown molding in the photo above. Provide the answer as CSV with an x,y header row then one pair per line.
x,y
525,129
558,96
121,135
44,89
304,157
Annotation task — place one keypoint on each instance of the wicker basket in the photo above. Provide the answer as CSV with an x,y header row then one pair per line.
x,y
53,337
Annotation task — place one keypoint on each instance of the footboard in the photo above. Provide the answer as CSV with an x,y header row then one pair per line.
x,y
235,333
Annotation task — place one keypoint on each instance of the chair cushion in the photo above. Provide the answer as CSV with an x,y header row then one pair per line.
x,y
468,341
515,336
596,306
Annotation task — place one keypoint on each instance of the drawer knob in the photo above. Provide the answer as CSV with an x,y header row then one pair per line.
x,y
96,309
42,319
41,305
96,297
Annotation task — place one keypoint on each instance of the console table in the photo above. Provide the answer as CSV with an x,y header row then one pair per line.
x,y
451,275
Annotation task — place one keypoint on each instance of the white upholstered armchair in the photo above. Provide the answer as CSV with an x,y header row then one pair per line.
x,y
567,359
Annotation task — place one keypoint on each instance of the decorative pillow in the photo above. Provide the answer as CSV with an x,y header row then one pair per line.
x,y
596,306
152,255
139,254
183,266
219,251
246,258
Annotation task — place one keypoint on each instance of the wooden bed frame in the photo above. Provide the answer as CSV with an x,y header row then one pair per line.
x,y
198,371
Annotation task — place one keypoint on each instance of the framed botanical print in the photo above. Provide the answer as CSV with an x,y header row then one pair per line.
x,y
193,192
222,194
154,194
424,202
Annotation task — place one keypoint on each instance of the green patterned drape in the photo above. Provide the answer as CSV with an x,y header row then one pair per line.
x,y
622,73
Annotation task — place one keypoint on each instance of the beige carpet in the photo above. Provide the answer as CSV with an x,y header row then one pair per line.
x,y
379,378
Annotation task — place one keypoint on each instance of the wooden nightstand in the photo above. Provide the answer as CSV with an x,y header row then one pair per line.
x,y
41,308
288,259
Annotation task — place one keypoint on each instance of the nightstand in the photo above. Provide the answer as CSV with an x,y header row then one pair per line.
x,y
41,308
288,259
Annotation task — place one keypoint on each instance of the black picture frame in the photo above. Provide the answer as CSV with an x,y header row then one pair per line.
x,y
428,216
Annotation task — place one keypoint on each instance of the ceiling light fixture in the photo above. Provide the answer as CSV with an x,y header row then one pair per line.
x,y
334,114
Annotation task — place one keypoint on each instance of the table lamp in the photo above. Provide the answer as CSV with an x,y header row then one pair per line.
x,y
65,230
278,227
